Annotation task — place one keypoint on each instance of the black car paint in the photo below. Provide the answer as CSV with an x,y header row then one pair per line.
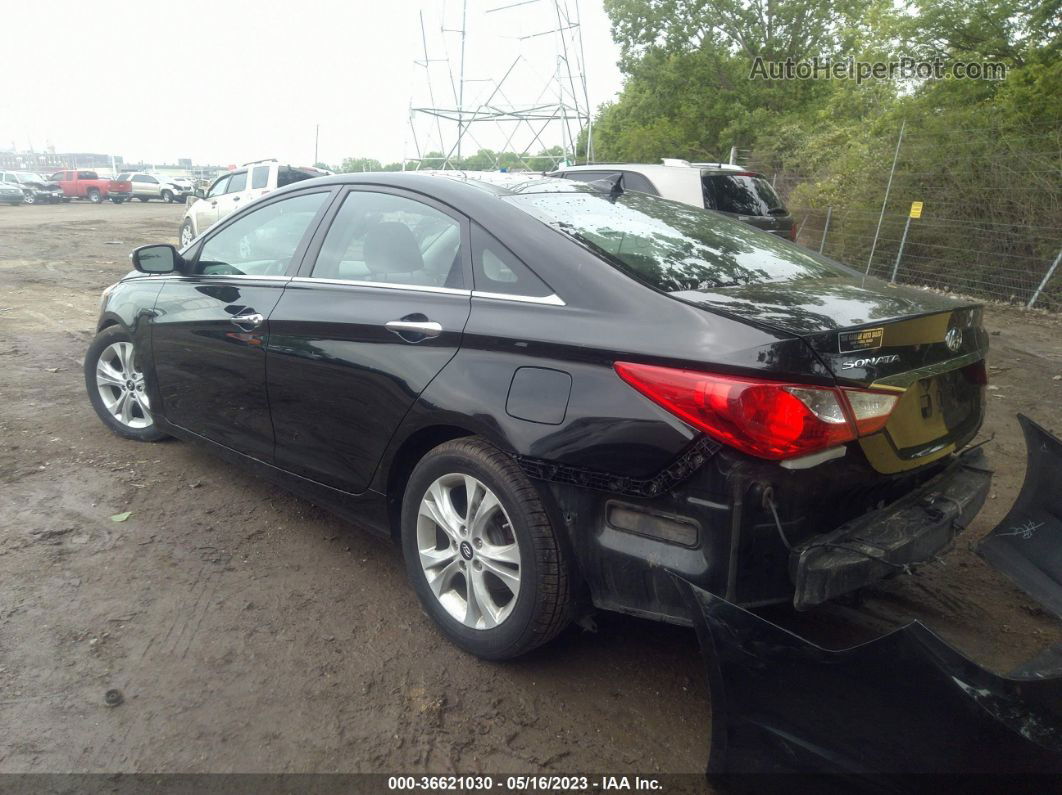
x,y
430,390
902,712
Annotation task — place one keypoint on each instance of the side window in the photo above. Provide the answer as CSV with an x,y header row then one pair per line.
x,y
495,269
219,187
286,175
139,178
58,176
639,182
380,237
151,180
87,175
259,177
588,176
262,242
238,182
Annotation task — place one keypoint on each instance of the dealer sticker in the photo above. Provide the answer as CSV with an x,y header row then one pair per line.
x,y
866,339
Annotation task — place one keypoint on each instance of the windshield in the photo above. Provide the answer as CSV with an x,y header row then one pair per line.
x,y
746,194
675,247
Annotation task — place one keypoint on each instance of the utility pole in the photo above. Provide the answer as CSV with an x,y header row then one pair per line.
x,y
461,80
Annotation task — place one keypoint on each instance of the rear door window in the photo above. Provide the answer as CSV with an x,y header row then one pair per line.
x,y
745,194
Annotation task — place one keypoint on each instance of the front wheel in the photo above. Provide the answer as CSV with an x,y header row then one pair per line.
x,y
95,196
30,199
187,233
116,388
481,551
167,196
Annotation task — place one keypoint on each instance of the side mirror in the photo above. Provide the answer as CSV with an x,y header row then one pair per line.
x,y
200,193
160,258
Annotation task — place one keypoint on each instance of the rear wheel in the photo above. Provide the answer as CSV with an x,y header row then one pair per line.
x,y
116,386
94,196
481,551
30,199
117,201
142,198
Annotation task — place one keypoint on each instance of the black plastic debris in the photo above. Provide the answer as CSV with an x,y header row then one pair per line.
x,y
893,714
113,697
1027,545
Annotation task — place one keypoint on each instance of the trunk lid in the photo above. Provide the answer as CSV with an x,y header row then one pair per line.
x,y
927,348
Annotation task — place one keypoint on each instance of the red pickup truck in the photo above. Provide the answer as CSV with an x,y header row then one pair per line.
x,y
88,185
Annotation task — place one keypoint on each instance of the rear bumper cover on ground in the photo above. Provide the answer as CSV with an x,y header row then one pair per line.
x,y
1027,545
912,530
880,715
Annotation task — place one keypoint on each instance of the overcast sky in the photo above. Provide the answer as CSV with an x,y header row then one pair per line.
x,y
227,81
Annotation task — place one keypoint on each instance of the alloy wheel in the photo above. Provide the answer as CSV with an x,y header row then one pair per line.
x,y
186,235
121,386
468,551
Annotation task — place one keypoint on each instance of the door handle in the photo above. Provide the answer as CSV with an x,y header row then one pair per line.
x,y
248,322
427,328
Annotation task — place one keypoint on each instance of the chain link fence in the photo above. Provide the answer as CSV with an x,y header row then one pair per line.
x,y
990,227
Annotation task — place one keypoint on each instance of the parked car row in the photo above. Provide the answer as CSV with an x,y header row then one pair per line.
x,y
29,187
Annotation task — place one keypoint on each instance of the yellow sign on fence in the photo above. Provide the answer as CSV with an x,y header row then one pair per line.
x,y
916,209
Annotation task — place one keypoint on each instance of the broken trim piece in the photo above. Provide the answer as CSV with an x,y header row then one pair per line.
x,y
875,715
670,476
1027,545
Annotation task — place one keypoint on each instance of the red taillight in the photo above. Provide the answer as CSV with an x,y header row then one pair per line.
x,y
767,419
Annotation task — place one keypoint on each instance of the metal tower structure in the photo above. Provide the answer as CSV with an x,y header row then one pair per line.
x,y
499,77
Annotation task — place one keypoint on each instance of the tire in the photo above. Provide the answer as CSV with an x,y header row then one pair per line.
x,y
30,199
142,198
167,196
114,346
117,201
458,557
187,233
94,196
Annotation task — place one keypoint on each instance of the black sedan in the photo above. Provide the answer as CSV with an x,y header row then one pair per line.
x,y
555,397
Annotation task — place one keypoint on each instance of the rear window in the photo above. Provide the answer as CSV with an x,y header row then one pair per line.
x,y
287,175
740,193
672,246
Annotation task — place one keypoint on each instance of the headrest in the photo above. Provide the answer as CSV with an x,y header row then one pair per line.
x,y
390,247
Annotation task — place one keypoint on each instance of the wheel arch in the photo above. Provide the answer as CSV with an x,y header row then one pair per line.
x,y
405,458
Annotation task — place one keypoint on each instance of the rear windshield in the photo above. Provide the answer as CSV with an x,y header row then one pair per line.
x,y
287,175
674,247
740,193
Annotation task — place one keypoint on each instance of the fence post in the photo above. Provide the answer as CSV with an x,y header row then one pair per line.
x,y
888,187
903,242
804,220
1043,284
826,228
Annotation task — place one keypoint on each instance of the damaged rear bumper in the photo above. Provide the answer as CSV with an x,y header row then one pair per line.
x,y
911,530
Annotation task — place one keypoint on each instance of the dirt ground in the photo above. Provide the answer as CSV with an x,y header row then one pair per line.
x,y
248,630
